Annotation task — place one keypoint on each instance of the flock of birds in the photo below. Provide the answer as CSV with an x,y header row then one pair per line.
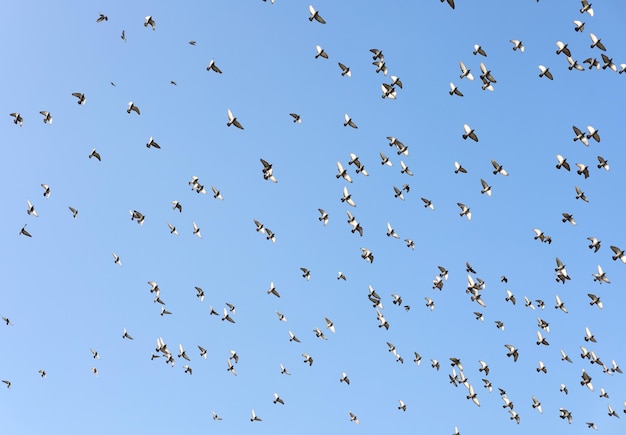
x,y
596,365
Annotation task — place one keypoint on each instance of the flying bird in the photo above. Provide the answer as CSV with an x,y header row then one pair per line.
x,y
315,15
213,67
149,21
233,121
133,108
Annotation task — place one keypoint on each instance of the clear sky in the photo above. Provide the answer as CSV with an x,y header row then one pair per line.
x,y
64,294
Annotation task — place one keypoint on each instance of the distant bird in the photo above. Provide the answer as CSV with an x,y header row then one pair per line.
x,y
213,67
47,117
199,293
381,66
378,54
172,229
340,275
573,64
277,399
342,173
596,42
126,335
388,91
562,48
23,232
367,255
283,370
580,194
579,26
123,36
465,211
74,212
292,337
315,15
562,162
17,118
469,132
254,417
595,300
42,373
152,143
395,81
329,324
593,133
306,273
320,52
95,154
586,7
323,216
486,73
177,206
517,45
31,209
459,168
307,359
149,21
192,42
498,169
116,259
465,72
580,136
344,378
595,243
196,230
608,62
603,163
348,121
512,352
589,336
347,197
384,160
592,61
544,71
345,71
226,316
405,169
133,108
216,193
353,417
391,232
582,169
233,121
559,304
81,97
102,18
619,254
428,203
454,90
296,118
479,50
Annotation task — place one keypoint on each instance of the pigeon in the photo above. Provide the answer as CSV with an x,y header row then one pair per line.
x,y
349,121
345,71
562,48
213,67
544,71
80,96
465,72
133,108
233,121
479,50
315,15
469,132
149,21
517,45
320,52
17,118
47,117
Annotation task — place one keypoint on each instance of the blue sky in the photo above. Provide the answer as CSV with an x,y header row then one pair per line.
x,y
64,295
